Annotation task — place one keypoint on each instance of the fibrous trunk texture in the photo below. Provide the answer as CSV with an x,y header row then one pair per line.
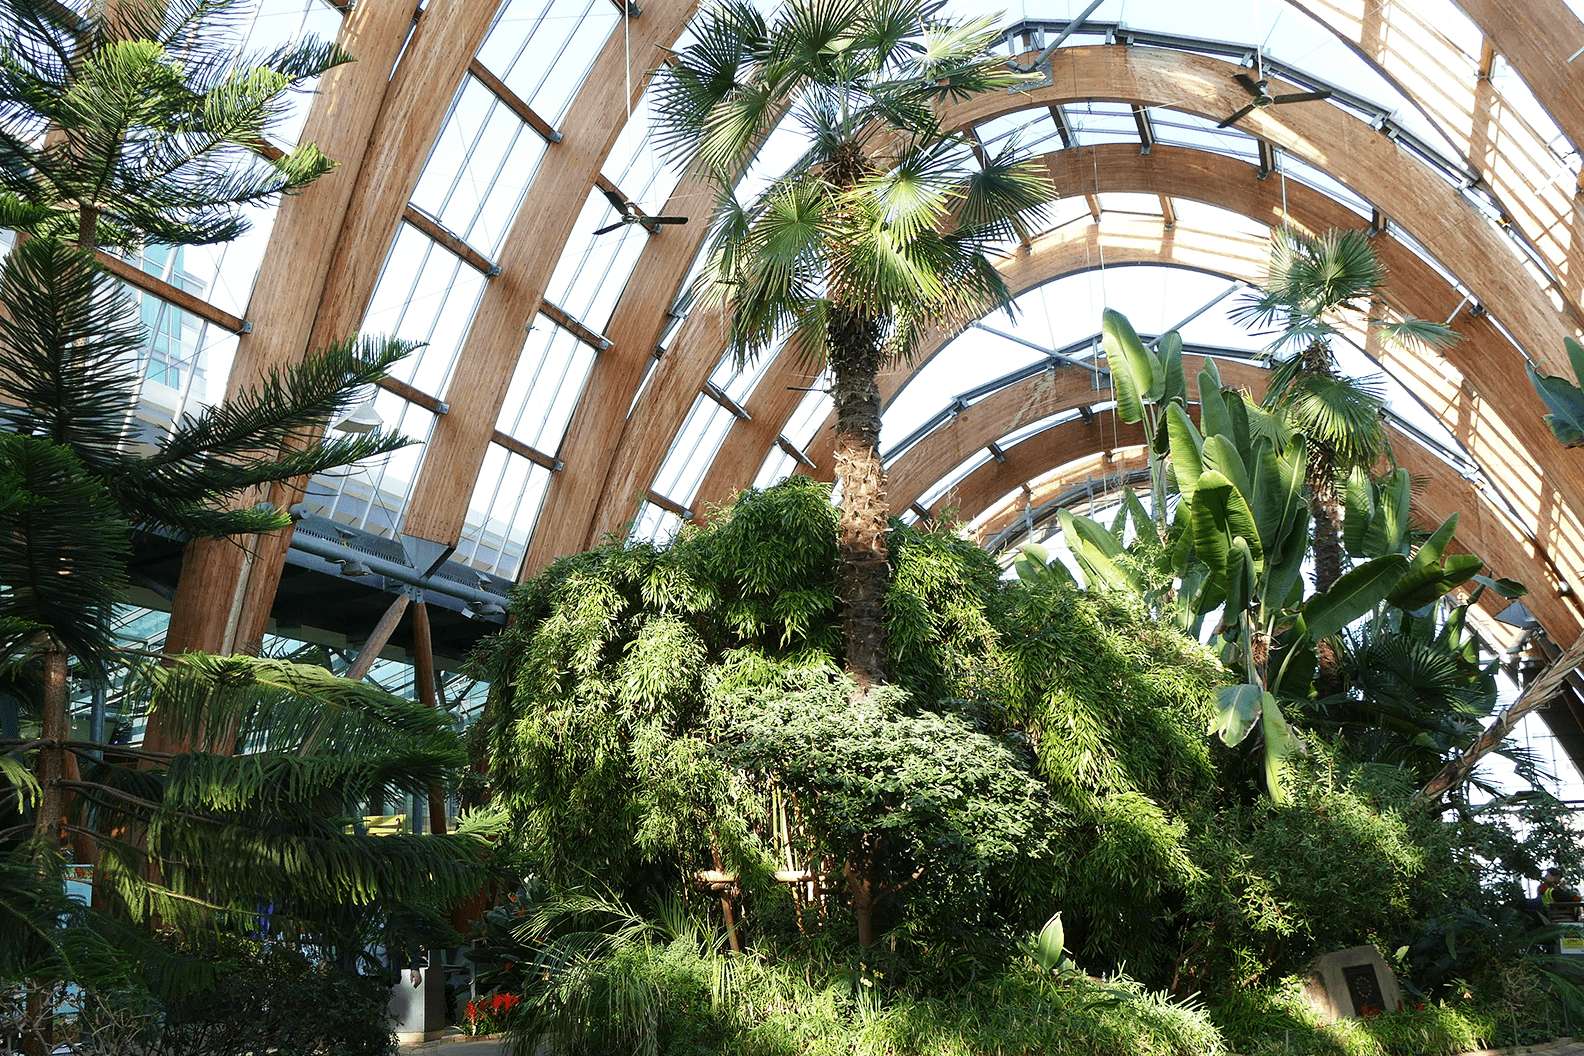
x,y
1328,569
863,572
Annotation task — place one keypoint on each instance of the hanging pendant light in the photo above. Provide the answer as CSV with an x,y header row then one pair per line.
x,y
363,419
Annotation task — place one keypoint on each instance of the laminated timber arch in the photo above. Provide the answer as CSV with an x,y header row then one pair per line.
x,y
383,129
1429,209
1476,388
391,123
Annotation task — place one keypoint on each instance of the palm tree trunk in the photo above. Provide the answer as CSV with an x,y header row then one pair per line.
x,y
1328,558
1327,544
863,572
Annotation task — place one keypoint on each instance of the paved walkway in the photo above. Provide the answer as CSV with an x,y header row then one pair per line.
x,y
456,1046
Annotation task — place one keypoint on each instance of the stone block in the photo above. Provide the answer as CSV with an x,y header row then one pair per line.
x,y
1352,983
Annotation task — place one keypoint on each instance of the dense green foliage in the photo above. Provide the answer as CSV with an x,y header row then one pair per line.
x,y
662,715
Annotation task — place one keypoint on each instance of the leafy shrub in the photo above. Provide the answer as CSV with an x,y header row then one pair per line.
x,y
933,820
249,997
1343,864
1274,1021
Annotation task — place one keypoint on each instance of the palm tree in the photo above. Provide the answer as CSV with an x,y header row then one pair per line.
x,y
1313,285
883,228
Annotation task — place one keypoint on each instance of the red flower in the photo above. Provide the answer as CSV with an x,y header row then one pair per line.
x,y
472,1012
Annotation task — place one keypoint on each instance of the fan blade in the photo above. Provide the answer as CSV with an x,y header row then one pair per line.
x,y
1237,116
668,219
612,227
1250,85
1303,97
618,203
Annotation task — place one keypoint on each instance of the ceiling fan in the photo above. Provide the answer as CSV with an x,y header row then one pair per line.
x,y
630,215
1259,89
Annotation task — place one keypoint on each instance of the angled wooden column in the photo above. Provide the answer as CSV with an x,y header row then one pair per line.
x,y
207,608
428,695
601,418
379,637
315,289
534,244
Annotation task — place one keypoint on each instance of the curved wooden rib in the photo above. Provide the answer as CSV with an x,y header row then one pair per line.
x,y
544,219
1403,39
601,415
350,116
1429,209
1539,37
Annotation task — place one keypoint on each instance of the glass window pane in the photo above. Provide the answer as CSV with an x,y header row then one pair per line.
x,y
545,386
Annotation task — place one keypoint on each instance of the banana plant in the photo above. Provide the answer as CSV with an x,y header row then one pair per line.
x,y
1146,382
1563,398
1234,551
1241,475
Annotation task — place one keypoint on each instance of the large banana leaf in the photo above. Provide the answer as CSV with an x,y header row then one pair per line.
x,y
1284,570
1237,710
1280,744
1035,565
1221,513
1355,593
1429,577
1187,450
1097,552
1358,511
1278,492
1219,454
1388,528
1565,401
1213,416
1175,388
1136,374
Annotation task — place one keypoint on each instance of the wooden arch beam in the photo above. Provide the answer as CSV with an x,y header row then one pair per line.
x,y
225,590
532,247
1539,37
1429,209
1029,401
1407,42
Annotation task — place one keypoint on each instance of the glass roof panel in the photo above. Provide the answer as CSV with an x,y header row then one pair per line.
x,y
543,49
425,293
545,386
502,512
482,163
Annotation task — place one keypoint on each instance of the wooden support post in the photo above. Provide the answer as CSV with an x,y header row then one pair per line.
x,y
727,910
1538,693
424,679
379,637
